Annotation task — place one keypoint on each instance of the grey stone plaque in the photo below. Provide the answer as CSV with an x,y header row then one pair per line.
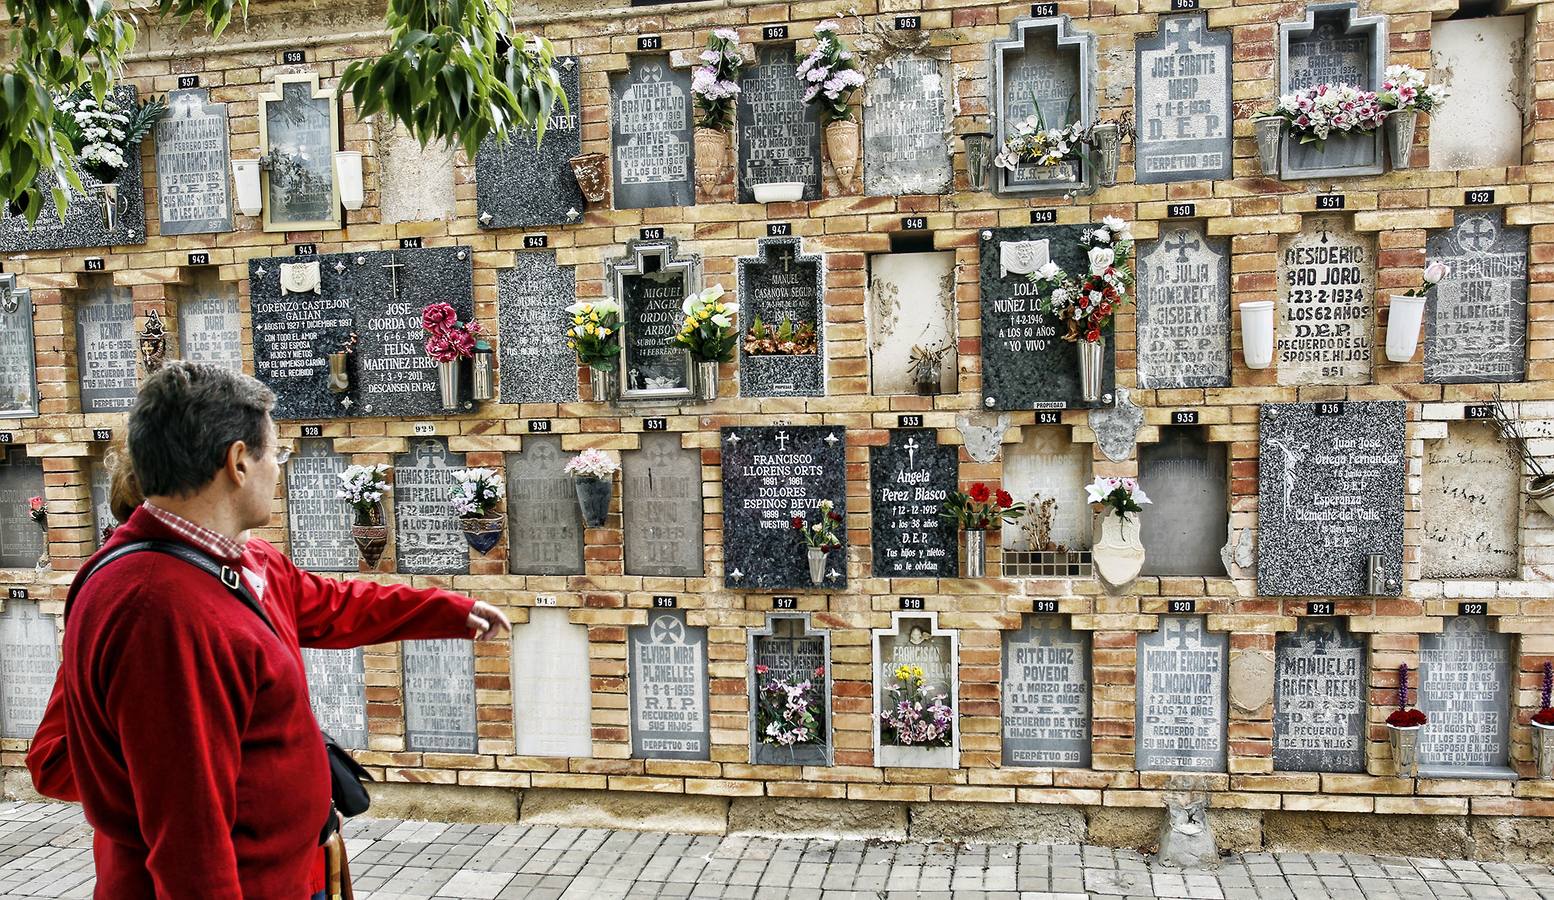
x,y
1332,45
1183,315
1181,697
192,164
105,347
18,355
537,366
1326,320
1465,688
781,285
662,507
668,672
1319,699
101,489
909,480
318,522
1046,695
29,660
439,696
1043,63
906,148
1182,102
1470,505
428,538
1330,481
337,688
788,650
210,328
521,183
1188,479
1476,319
1025,361
916,640
651,283
545,526
650,135
771,474
21,477
299,123
779,134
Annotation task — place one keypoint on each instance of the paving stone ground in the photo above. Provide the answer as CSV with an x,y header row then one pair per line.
x,y
45,851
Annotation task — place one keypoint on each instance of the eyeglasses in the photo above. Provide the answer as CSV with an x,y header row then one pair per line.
x,y
282,454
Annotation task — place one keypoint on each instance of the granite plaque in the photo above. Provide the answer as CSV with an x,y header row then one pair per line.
x,y
1329,494
1188,479
21,477
1465,688
1476,319
100,489
662,508
1183,314
18,359
906,147
521,182
1044,66
650,135
782,288
1025,361
545,526
651,283
909,480
668,672
1332,45
299,127
1181,697
911,303
428,537
192,165
788,651
439,696
1319,699
210,328
914,639
1048,472
1470,505
772,473
537,366
105,347
552,696
318,522
1326,320
1182,102
29,660
337,687
779,134
1046,695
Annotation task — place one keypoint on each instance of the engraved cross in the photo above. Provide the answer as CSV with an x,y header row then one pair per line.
x,y
911,449
1183,34
1182,246
782,440
1478,235
393,268
1177,631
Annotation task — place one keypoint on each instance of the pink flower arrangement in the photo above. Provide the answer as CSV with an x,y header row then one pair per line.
x,y
448,340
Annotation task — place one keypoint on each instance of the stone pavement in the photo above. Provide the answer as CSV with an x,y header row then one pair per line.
x,y
45,851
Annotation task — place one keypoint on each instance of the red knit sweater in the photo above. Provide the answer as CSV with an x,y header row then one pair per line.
x,y
182,723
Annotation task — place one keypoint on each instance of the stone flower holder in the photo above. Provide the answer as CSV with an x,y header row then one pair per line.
x,y
711,157
593,498
370,533
842,147
1541,490
1543,749
1118,552
482,532
1405,749
593,175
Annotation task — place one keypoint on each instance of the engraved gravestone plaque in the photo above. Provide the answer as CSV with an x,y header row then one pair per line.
x,y
782,289
338,691
905,125
1042,70
779,134
668,672
1465,688
650,135
770,475
1183,316
910,478
299,126
1470,505
662,507
1189,476
1476,317
210,328
318,522
439,696
192,164
787,652
1182,697
651,283
1319,699
21,477
1046,695
105,347
428,537
1332,45
1182,102
18,359
29,660
524,182
546,527
552,700
1326,310
537,366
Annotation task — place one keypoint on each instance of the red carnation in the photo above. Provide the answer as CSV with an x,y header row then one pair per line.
x,y
1407,718
797,522
834,516
1544,717
980,492
1004,499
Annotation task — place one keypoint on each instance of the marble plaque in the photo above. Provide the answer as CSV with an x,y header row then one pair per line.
x,y
100,488
427,536
1046,467
18,359
21,477
914,639
1183,314
788,650
105,347
1326,315
778,286
192,165
299,123
337,687
651,283
439,696
1332,45
1188,479
906,146
1046,695
536,364
1319,699
668,672
1329,494
1182,102
521,182
1476,318
1470,505
911,303
779,134
545,525
650,135
1465,688
1181,697
1026,363
210,328
909,480
29,660
552,697
1042,66
318,522
772,473
661,504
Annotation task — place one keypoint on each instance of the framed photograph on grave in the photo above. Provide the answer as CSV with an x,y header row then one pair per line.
x,y
930,658
785,657
299,134
1333,45
1044,69
650,283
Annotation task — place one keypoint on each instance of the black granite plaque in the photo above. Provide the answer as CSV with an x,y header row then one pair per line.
x,y
1319,699
105,347
338,691
1046,695
520,183
18,359
771,474
1187,479
29,660
906,149
662,508
1330,493
1183,315
1181,698
318,521
1182,102
537,366
668,672
1025,361
1476,317
192,165
779,134
909,480
428,537
650,135
1465,688
440,696
778,286
210,328
788,650
21,477
544,521
650,319
1326,319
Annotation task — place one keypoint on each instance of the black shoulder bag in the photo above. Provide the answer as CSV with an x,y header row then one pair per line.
x,y
347,793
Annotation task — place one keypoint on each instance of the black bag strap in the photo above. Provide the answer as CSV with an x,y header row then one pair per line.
x,y
229,577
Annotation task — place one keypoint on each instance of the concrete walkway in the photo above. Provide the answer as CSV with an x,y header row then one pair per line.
x,y
45,851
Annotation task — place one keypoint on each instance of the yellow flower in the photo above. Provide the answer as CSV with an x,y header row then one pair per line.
x,y
590,329
577,320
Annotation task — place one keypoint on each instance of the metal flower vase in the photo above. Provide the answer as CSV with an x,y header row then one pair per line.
x,y
482,532
1405,750
1543,749
976,553
1269,132
593,498
817,565
1107,140
706,380
110,205
370,533
603,384
448,383
1092,358
1401,125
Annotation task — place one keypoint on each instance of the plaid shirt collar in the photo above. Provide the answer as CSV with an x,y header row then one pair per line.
x,y
214,543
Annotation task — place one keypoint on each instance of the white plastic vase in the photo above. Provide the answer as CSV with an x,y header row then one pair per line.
x,y
348,174
1407,313
1257,333
245,175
